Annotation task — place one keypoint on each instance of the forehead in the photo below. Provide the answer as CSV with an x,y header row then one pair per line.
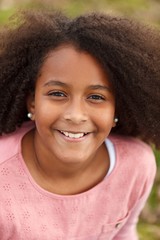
x,y
67,62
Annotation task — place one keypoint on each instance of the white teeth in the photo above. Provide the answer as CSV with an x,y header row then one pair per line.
x,y
73,135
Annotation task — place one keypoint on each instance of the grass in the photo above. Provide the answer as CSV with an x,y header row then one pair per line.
x,y
5,14
148,231
149,226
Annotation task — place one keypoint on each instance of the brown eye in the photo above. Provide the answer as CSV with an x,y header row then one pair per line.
x,y
96,97
57,94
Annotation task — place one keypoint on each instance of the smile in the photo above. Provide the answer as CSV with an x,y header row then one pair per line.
x,y
73,135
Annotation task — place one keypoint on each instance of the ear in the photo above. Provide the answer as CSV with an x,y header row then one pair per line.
x,y
31,105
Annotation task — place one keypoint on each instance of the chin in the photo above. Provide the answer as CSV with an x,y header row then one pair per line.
x,y
73,160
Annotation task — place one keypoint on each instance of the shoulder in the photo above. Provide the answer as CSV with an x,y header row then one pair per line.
x,y
135,166
10,143
139,155
133,146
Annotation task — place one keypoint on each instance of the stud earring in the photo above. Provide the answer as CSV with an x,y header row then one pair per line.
x,y
116,120
29,115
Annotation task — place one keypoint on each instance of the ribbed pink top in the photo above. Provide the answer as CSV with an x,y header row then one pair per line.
x,y
107,211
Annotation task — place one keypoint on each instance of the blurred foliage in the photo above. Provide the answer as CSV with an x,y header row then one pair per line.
x,y
144,10
149,225
147,11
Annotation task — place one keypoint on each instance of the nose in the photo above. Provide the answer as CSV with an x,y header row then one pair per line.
x,y
76,112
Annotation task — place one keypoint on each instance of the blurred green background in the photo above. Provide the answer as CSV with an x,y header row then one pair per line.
x,y
147,11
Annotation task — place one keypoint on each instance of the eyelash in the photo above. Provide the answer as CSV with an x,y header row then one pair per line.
x,y
96,97
93,97
57,94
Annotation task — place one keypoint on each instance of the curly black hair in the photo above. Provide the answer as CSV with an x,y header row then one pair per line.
x,y
128,51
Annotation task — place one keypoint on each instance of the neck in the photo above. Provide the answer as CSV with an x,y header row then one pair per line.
x,y
58,177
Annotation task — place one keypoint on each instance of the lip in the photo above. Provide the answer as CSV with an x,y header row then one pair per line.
x,y
69,139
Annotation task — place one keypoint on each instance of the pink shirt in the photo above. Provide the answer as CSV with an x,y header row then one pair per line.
x,y
108,211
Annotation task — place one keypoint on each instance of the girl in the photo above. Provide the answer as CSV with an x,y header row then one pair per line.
x,y
82,168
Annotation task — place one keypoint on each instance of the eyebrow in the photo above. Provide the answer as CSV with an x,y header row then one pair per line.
x,y
55,82
99,87
62,84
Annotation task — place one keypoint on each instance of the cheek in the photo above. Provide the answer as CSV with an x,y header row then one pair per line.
x,y
106,123
45,110
108,112
105,120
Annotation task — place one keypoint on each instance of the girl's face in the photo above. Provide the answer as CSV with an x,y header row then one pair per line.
x,y
73,106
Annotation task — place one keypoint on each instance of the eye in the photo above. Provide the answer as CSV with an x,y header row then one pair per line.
x,y
57,94
96,98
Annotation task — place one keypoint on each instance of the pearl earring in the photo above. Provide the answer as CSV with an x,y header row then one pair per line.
x,y
29,115
116,120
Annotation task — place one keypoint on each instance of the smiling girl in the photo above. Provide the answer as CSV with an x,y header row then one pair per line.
x,y
82,167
